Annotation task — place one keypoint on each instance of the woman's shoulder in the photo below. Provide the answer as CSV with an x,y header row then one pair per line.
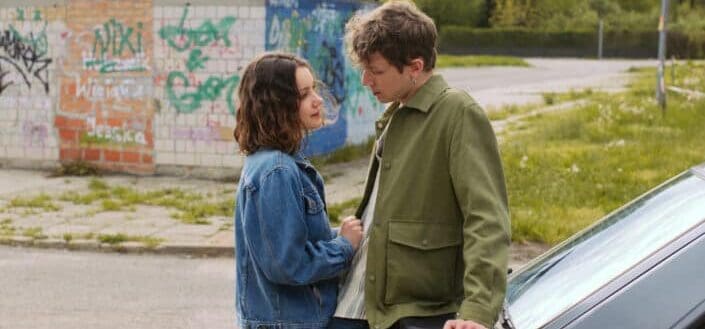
x,y
265,161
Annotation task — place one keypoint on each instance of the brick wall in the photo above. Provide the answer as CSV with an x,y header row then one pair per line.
x,y
147,86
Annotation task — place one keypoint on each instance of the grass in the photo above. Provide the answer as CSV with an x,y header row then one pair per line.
x,y
118,238
344,154
473,61
192,208
40,202
570,168
76,168
343,209
34,233
6,228
572,95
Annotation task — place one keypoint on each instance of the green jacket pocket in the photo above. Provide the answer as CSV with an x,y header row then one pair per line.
x,y
422,259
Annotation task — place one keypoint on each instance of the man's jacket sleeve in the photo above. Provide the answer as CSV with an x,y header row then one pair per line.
x,y
478,182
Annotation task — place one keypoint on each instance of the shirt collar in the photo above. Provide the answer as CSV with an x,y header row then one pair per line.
x,y
427,94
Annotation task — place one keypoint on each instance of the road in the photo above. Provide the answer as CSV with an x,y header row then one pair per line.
x,y
496,86
67,290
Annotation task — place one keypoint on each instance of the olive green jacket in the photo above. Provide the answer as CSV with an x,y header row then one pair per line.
x,y
441,230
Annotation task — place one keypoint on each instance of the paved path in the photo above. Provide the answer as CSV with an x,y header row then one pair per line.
x,y
493,87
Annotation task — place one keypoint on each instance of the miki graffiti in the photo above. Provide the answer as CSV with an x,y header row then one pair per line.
x,y
116,48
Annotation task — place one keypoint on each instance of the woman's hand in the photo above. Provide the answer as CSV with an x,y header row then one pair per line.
x,y
351,229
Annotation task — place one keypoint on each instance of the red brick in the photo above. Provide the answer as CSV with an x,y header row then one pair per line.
x,y
91,154
59,121
112,156
147,158
69,154
149,138
130,157
68,135
112,122
75,123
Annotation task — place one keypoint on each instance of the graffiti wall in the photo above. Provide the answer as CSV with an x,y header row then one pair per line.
x,y
136,85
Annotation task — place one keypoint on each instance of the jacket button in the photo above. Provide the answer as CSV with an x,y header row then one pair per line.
x,y
380,125
387,165
424,242
372,278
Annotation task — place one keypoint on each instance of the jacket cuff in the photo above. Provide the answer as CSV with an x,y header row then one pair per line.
x,y
477,313
345,246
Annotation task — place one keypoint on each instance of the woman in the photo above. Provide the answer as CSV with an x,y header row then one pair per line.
x,y
288,258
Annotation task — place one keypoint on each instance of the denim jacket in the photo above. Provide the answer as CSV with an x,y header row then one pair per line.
x,y
287,257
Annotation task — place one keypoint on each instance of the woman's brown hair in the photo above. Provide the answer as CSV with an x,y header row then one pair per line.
x,y
268,113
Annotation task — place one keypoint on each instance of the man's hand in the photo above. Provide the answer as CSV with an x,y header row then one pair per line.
x,y
462,324
351,229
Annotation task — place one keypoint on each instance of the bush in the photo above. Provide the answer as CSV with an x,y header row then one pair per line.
x,y
573,43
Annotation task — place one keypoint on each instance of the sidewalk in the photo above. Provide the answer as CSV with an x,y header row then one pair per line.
x,y
163,215
157,215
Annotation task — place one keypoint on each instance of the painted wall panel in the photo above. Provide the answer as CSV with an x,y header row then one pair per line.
x,y
134,85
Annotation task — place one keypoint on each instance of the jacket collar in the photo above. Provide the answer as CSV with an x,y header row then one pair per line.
x,y
427,94
301,160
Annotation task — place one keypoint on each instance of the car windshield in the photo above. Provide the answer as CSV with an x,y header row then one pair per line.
x,y
588,261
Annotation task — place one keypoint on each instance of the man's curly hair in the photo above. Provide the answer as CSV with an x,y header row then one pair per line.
x,y
398,30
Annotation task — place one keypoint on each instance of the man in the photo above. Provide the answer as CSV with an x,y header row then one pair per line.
x,y
434,211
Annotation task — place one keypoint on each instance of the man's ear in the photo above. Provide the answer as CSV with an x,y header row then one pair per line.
x,y
416,65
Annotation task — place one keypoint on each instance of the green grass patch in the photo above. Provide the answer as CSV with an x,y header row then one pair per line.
x,y
510,110
551,98
473,61
6,228
570,168
339,210
34,233
76,168
192,208
345,154
40,202
118,238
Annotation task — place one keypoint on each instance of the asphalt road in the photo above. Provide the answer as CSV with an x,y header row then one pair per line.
x,y
496,86
68,290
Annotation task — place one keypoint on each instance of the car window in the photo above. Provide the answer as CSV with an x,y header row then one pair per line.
x,y
593,258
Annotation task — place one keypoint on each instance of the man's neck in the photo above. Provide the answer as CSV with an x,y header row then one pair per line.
x,y
420,81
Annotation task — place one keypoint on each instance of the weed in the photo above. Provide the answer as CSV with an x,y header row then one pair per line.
x,y
345,154
347,208
34,233
112,238
118,238
76,168
41,201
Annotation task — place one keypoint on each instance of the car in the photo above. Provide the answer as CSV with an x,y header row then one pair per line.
x,y
642,266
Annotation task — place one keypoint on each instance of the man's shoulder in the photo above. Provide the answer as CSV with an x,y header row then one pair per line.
x,y
458,100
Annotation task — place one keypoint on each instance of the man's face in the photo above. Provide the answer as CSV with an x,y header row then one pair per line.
x,y
384,79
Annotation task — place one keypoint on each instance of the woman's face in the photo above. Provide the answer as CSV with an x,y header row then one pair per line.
x,y
311,104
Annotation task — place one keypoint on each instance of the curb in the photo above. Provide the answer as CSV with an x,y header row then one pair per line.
x,y
188,250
